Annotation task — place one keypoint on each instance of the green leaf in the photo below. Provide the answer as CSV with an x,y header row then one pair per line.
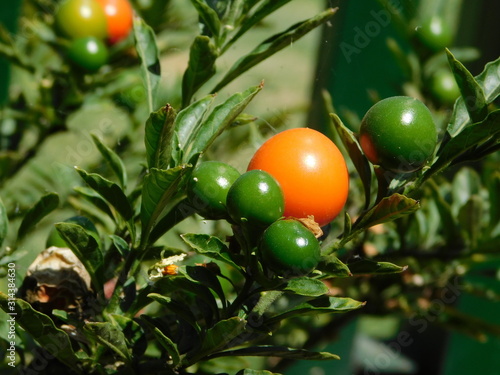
x,y
93,197
187,124
466,140
279,351
133,332
272,45
266,8
109,336
4,222
163,340
209,246
42,329
86,248
120,244
370,267
489,81
180,309
322,305
388,209
220,335
475,100
145,44
201,67
114,161
206,277
158,137
333,266
356,154
221,117
42,208
110,191
159,191
305,286
209,17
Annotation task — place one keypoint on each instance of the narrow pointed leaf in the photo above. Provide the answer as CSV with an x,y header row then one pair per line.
x,y
219,119
42,329
133,331
163,340
272,45
220,335
42,208
468,138
4,222
475,100
370,267
356,154
114,161
279,351
181,310
201,67
388,209
266,8
489,81
109,336
333,266
158,137
306,286
145,44
110,191
209,246
93,197
159,190
86,248
206,277
322,305
187,123
208,16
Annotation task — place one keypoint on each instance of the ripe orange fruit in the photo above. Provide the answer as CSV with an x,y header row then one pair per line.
x,y
311,171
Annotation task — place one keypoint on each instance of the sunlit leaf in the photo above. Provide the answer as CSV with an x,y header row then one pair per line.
x,y
489,81
388,209
370,267
272,45
279,351
145,43
114,161
219,119
265,8
356,154
159,190
158,137
209,246
201,67
306,286
470,90
110,191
